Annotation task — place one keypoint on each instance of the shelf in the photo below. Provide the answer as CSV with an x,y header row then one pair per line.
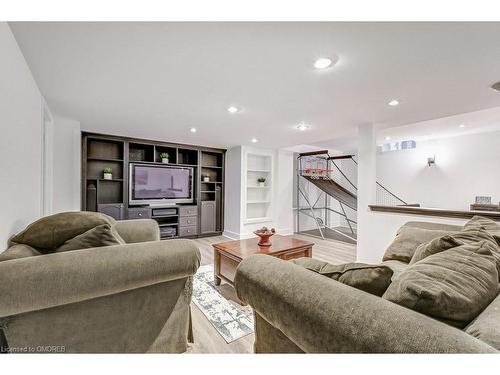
x,y
211,182
160,163
103,159
168,225
211,166
103,179
207,191
258,202
258,220
259,170
162,216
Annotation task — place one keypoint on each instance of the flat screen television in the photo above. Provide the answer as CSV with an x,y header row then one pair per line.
x,y
158,184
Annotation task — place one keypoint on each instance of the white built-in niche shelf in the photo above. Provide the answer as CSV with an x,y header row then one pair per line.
x,y
258,199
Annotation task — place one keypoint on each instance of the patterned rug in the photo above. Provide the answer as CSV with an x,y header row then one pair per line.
x,y
230,319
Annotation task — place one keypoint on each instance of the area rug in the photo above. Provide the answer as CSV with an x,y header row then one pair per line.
x,y
231,320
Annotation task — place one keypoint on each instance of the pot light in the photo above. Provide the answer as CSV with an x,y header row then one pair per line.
x,y
323,63
496,86
233,109
393,103
387,138
302,127
254,140
461,126
193,130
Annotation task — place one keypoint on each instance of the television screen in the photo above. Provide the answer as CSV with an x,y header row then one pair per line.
x,y
149,183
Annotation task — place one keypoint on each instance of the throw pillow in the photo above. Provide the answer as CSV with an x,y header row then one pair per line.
x,y
407,240
52,231
102,235
454,285
372,279
435,246
18,251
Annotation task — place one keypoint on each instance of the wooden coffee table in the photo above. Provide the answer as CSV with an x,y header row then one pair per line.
x,y
227,255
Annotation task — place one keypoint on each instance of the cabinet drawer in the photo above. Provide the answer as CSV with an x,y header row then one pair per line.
x,y
139,213
187,221
296,254
188,211
188,231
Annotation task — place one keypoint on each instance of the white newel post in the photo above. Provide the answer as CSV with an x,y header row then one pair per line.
x,y
367,174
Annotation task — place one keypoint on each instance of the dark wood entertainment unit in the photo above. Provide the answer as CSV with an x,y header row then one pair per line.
x,y
203,217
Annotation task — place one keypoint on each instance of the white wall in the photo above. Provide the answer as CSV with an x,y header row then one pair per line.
x,y
66,171
21,140
466,166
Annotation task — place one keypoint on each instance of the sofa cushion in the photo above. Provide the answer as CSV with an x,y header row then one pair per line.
x,y
373,279
407,240
52,231
18,251
102,235
434,246
454,285
489,225
486,327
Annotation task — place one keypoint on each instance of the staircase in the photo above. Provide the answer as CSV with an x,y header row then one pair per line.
x,y
323,171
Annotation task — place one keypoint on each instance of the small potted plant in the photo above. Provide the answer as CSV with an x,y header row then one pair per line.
x,y
264,235
108,173
261,181
164,157
206,177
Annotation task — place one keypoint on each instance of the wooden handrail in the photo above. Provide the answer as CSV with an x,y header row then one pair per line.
x,y
312,153
438,212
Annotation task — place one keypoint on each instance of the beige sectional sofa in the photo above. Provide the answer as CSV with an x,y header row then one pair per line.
x,y
298,310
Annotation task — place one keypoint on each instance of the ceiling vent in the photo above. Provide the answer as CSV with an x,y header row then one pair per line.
x,y
496,86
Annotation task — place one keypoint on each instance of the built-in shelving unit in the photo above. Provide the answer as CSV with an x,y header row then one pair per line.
x,y
258,199
202,217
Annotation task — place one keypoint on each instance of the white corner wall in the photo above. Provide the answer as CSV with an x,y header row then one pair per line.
x,y
66,172
232,202
21,140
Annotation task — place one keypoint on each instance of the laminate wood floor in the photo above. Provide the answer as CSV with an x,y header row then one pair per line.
x,y
206,337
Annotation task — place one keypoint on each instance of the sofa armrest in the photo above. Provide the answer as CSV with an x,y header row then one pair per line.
x,y
140,230
44,281
319,314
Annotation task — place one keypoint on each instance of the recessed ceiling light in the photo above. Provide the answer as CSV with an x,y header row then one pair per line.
x,y
193,130
254,140
393,103
496,86
233,109
387,138
323,63
461,126
302,127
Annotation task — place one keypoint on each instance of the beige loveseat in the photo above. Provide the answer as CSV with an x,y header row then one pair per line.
x,y
130,298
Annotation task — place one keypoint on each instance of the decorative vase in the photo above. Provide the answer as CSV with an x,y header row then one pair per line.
x,y
108,176
264,238
164,160
206,179
262,184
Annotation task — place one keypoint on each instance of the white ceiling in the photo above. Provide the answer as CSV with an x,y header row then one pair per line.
x,y
156,80
484,121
